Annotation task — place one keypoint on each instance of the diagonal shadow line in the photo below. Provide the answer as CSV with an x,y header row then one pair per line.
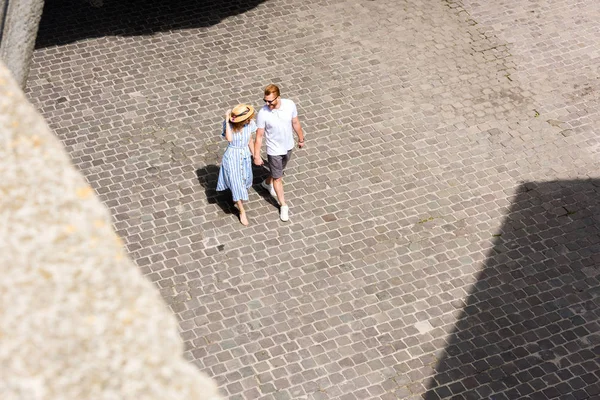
x,y
530,327
68,21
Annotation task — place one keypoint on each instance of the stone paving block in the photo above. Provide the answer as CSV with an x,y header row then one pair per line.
x,y
443,240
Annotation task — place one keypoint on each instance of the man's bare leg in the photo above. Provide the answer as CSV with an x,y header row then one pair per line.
x,y
278,186
283,208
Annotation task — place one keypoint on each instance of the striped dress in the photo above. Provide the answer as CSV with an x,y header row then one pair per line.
x,y
236,168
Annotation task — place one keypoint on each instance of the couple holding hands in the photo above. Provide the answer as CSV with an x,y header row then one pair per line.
x,y
276,122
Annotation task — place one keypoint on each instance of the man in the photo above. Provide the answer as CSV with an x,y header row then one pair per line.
x,y
276,121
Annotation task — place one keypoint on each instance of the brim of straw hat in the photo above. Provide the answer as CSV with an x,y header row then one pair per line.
x,y
244,111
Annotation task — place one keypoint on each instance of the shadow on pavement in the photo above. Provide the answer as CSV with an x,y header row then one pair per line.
x,y
208,177
531,326
67,21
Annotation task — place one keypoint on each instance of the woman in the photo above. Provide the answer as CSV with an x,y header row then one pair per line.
x,y
236,168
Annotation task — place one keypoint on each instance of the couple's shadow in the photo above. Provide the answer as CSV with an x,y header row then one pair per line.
x,y
208,177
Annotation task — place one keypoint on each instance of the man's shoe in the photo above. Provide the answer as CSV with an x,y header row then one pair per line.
x,y
284,213
269,188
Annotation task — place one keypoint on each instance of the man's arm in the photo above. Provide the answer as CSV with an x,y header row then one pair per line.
x,y
298,129
260,132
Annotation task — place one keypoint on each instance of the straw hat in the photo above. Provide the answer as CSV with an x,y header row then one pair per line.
x,y
241,112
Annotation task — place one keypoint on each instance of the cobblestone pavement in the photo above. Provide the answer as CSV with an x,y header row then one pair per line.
x,y
444,239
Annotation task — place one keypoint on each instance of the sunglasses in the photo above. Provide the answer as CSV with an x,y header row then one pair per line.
x,y
270,101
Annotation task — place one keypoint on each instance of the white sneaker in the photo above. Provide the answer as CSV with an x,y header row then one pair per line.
x,y
269,188
284,213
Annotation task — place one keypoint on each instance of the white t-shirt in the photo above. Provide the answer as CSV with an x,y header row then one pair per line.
x,y
277,124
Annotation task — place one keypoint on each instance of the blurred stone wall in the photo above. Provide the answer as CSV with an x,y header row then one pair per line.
x,y
77,319
19,21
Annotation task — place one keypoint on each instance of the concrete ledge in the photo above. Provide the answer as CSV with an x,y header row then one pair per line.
x,y
19,30
77,318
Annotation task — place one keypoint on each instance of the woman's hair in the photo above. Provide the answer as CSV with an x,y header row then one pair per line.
x,y
272,89
237,126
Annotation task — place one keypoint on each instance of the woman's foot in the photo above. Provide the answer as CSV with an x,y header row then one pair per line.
x,y
243,219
